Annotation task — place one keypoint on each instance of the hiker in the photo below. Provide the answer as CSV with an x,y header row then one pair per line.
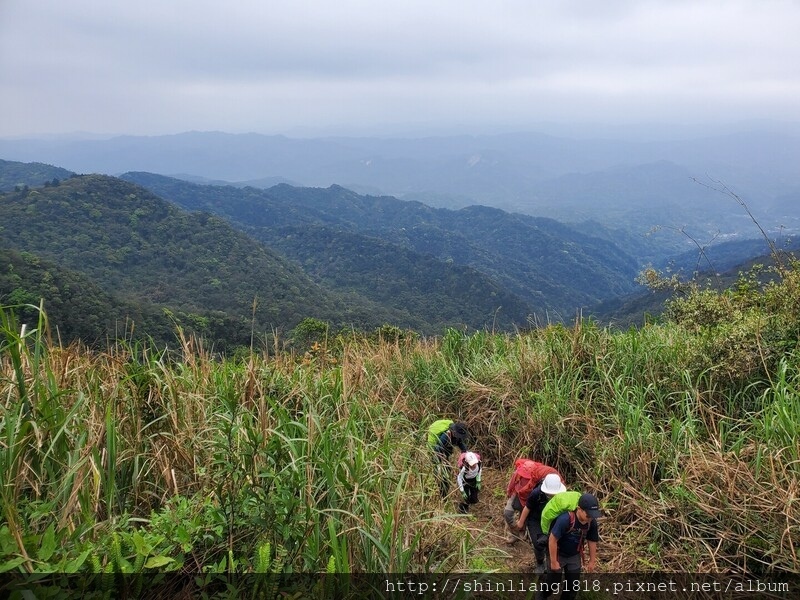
x,y
527,475
468,479
531,515
568,533
442,436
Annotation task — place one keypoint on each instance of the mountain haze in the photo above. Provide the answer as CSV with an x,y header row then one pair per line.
x,y
533,173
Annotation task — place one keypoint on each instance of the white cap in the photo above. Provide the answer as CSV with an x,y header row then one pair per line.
x,y
552,484
471,459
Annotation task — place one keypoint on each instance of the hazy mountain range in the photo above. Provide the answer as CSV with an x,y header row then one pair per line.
x,y
331,254
622,184
470,241
547,264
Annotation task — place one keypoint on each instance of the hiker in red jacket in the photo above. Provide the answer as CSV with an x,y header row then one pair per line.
x,y
527,475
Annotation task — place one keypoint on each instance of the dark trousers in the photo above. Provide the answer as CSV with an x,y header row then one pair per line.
x,y
470,495
443,472
567,578
538,539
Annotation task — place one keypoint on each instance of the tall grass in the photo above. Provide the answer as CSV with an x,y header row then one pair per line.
x,y
141,458
276,454
43,454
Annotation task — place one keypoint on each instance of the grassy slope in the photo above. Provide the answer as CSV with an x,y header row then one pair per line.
x,y
319,461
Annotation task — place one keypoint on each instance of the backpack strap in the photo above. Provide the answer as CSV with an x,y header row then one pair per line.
x,y
573,519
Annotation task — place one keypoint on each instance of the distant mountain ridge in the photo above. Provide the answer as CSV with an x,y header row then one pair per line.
x,y
632,187
146,252
549,265
329,253
375,161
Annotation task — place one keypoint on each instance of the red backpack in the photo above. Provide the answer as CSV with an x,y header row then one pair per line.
x,y
527,475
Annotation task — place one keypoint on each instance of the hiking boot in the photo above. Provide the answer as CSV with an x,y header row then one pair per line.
x,y
507,532
514,537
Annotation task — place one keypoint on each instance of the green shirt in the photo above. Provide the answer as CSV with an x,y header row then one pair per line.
x,y
436,429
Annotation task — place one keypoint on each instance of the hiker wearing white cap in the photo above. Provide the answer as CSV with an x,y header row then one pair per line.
x,y
531,515
468,479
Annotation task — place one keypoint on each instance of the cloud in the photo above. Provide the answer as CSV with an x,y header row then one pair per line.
x,y
153,66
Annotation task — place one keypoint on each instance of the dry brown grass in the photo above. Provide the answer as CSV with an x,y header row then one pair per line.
x,y
564,396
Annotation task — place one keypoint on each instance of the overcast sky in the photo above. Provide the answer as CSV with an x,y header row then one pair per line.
x,y
361,67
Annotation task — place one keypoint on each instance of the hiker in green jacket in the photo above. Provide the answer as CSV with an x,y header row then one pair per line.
x,y
569,532
443,436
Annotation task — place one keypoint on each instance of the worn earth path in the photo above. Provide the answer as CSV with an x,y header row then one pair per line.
x,y
488,514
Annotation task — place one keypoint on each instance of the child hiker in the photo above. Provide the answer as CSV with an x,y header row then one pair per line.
x,y
468,479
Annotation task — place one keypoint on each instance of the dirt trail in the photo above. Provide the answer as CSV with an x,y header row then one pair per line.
x,y
489,518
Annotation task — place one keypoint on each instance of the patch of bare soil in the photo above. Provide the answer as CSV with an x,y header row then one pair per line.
x,y
489,521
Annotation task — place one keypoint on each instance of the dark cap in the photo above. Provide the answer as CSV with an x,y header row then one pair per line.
x,y
459,430
589,503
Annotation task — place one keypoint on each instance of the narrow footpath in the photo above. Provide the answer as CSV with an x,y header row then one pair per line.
x,y
489,517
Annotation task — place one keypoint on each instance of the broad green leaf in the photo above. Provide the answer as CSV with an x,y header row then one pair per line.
x,y
7,543
76,563
11,564
141,545
155,562
48,546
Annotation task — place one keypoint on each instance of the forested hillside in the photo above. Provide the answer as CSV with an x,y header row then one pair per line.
x,y
143,249
552,267
443,293
152,258
355,261
17,174
77,308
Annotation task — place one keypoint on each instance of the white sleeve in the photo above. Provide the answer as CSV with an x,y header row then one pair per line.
x,y
460,479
